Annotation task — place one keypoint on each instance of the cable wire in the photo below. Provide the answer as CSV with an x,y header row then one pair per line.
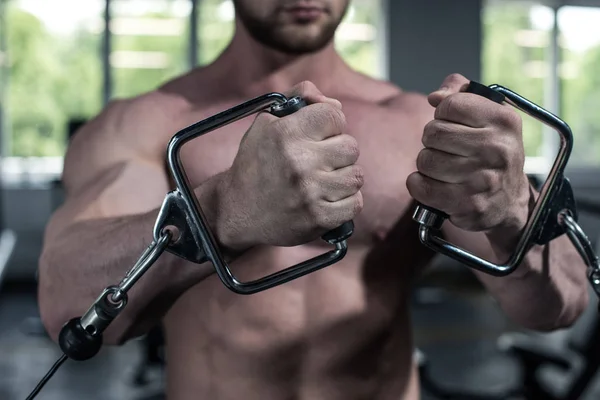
x,y
47,377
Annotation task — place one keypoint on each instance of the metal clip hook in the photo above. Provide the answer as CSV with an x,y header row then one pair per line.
x,y
181,209
555,195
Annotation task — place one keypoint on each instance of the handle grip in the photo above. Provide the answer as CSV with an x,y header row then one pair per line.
x,y
555,194
343,231
195,241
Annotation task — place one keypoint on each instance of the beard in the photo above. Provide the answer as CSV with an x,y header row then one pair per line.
x,y
295,37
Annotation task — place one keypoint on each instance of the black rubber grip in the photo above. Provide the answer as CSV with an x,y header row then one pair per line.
x,y
340,233
484,91
345,230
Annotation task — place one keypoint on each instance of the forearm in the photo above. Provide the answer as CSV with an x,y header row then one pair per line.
x,y
547,291
81,259
75,268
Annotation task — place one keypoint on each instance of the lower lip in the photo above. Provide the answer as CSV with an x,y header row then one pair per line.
x,y
305,13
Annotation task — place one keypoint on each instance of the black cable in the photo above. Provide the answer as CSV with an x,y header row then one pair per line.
x,y
46,378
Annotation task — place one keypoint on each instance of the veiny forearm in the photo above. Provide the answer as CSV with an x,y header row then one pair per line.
x,y
81,258
76,266
547,291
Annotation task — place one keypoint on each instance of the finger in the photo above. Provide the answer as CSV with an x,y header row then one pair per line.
x,y
338,212
311,94
476,111
338,152
453,83
263,118
445,167
442,196
341,183
316,122
454,138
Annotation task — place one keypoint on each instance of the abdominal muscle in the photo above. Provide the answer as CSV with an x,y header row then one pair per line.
x,y
339,333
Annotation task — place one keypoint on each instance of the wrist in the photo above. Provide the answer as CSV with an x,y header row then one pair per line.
x,y
504,237
215,202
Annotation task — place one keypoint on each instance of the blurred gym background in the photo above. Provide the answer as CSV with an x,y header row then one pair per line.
x,y
61,61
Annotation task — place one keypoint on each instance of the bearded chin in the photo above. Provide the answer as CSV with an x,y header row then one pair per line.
x,y
288,43
292,41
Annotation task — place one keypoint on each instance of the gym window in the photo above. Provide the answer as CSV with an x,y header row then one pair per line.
x,y
58,69
549,55
59,64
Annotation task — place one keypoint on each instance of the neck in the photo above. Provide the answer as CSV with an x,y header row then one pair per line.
x,y
253,68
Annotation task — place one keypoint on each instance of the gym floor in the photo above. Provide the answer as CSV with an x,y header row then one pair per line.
x,y
456,326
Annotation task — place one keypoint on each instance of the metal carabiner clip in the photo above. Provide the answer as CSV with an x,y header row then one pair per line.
x,y
181,209
556,195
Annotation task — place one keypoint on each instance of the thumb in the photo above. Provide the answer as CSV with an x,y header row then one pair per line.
x,y
453,83
311,94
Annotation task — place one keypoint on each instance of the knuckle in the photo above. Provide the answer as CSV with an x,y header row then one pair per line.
x,y
296,168
452,103
354,179
307,85
435,132
445,108
299,170
309,190
478,205
304,89
358,176
350,146
500,153
336,118
490,180
308,199
423,160
429,133
416,186
357,204
455,77
508,118
295,177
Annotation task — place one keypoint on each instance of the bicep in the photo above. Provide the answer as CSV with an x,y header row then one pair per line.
x,y
121,185
125,188
110,170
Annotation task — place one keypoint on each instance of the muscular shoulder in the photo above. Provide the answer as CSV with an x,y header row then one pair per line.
x,y
126,129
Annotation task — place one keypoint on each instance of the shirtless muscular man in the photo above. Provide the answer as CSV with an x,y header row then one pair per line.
x,y
270,187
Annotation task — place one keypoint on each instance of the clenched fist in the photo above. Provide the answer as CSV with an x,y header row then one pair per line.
x,y
472,165
294,178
